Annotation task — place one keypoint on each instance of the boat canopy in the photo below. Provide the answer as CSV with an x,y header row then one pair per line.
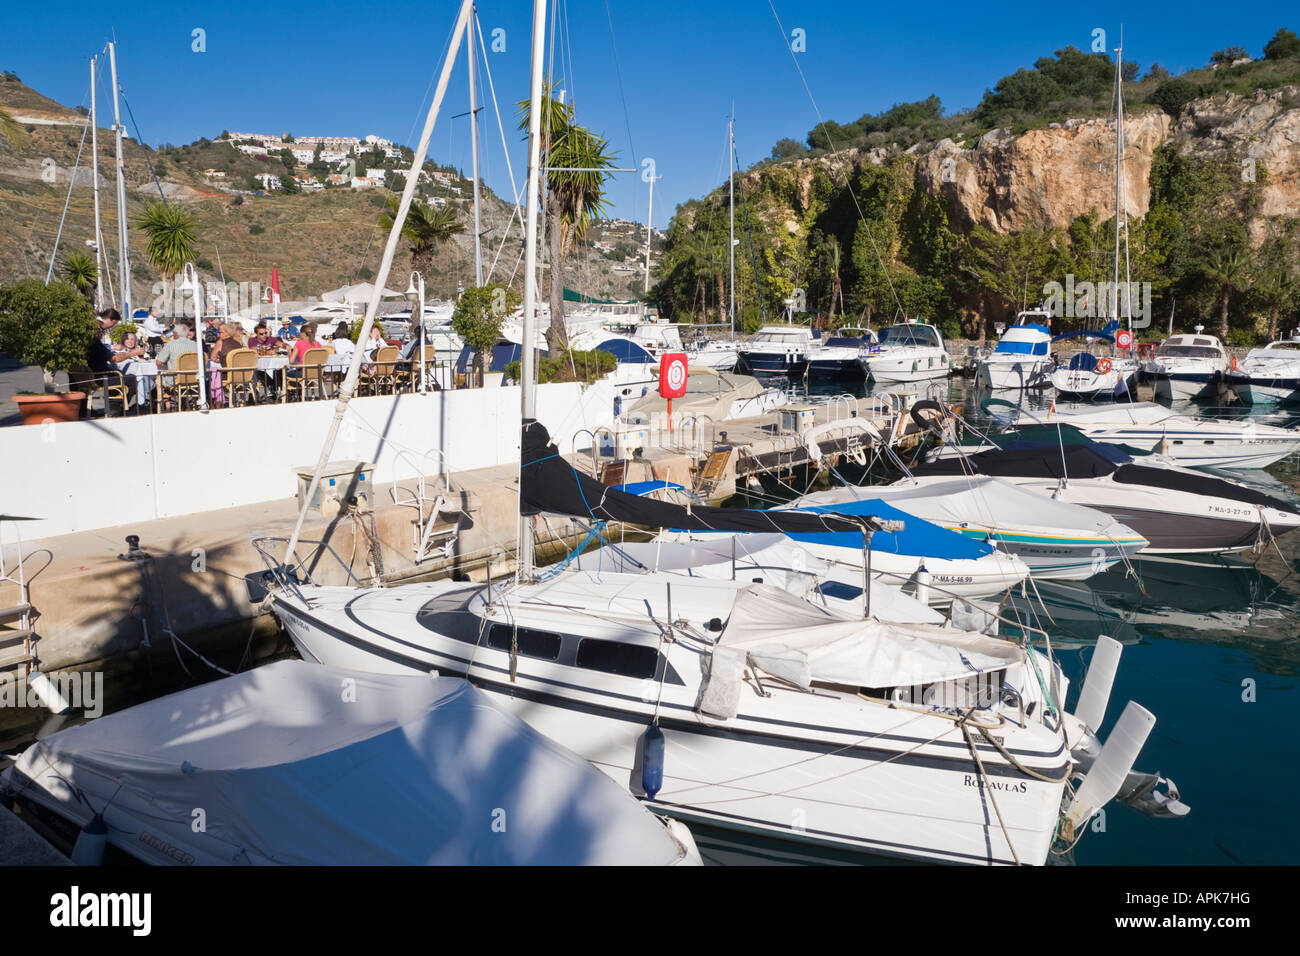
x,y
549,483
1027,339
303,764
1083,362
626,351
791,639
911,334
1082,332
918,537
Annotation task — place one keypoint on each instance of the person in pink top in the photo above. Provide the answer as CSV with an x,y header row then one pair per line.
x,y
305,341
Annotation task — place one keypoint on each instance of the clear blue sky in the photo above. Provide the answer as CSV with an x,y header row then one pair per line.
x,y
358,68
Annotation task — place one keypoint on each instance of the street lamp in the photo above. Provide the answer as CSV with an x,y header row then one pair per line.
x,y
415,295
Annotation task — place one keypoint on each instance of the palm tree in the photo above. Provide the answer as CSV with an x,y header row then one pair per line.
x,y
834,260
574,157
1278,287
80,269
426,228
171,239
1226,265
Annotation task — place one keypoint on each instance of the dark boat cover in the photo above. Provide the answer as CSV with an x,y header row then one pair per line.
x,y
549,483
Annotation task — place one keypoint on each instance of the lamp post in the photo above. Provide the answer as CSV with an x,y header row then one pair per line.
x,y
190,278
415,296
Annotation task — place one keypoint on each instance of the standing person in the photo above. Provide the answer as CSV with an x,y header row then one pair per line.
x,y
108,320
154,329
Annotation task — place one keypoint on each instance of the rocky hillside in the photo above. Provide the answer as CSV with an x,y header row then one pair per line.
x,y
318,240
962,229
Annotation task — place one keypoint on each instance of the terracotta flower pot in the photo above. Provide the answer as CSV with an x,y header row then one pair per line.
x,y
57,407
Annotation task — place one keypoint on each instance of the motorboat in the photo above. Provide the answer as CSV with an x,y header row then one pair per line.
x,y
1089,376
1176,509
1269,375
1022,358
715,396
1195,441
838,354
299,764
1187,367
779,350
907,352
1057,540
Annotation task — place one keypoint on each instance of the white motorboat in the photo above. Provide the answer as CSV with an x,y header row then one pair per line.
x,y
1176,509
838,354
908,352
778,350
1187,367
1022,356
1269,375
1054,538
298,764
1194,441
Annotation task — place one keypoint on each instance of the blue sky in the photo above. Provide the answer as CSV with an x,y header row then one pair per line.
x,y
357,68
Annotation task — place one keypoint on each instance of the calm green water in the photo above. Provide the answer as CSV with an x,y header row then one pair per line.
x,y
1200,634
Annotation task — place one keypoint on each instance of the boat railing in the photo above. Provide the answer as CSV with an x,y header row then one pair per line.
x,y
843,403
696,425
293,571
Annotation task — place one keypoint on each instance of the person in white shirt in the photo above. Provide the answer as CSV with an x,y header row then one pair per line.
x,y
154,328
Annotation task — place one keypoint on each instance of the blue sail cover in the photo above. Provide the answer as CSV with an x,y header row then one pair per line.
x,y
918,537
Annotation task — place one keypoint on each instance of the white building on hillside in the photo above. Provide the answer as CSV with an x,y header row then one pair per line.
x,y
365,182
268,180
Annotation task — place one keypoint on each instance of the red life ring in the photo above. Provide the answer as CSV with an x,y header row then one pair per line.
x,y
1234,363
1103,365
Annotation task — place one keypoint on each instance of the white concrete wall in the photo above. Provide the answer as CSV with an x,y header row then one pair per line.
x,y
85,475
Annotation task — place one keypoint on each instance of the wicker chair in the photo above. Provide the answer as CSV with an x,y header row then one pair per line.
x,y
310,377
384,378
239,377
112,383
181,383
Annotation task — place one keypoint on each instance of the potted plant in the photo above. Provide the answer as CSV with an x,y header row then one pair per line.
x,y
52,326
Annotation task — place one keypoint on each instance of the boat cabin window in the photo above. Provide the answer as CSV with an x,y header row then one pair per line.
x,y
924,335
532,643
616,657
1187,351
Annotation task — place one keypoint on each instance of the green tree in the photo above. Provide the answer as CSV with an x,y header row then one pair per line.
x,y
1172,95
426,228
289,185
575,158
788,149
171,236
478,316
79,268
1284,45
50,326
1227,265
286,157
1229,55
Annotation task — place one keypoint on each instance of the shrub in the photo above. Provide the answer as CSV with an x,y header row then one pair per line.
x,y
51,326
1172,95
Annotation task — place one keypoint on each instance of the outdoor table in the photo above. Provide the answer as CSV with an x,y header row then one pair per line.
x,y
146,377
269,365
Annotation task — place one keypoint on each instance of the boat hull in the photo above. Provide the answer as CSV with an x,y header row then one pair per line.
x,y
914,793
1014,375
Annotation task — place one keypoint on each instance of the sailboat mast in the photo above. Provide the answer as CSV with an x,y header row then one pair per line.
x,y
94,170
1119,173
123,249
731,246
473,138
527,372
1123,156
649,232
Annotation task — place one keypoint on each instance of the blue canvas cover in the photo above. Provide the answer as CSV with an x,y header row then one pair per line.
x,y
918,537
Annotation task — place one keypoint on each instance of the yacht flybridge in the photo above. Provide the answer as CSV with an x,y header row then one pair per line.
x,y
1022,356
779,350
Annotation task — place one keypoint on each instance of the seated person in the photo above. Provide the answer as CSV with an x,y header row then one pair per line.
x,y
287,332
343,345
128,351
262,340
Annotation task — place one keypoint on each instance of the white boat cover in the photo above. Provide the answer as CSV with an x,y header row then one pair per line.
x,y
791,639
299,763
782,562
984,501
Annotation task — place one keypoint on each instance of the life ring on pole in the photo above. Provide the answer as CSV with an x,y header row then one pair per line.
x,y
1103,365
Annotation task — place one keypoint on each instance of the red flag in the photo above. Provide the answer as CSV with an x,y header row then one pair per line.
x,y
275,285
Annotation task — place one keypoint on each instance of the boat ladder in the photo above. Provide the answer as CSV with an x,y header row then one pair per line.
x,y
16,638
429,538
715,472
